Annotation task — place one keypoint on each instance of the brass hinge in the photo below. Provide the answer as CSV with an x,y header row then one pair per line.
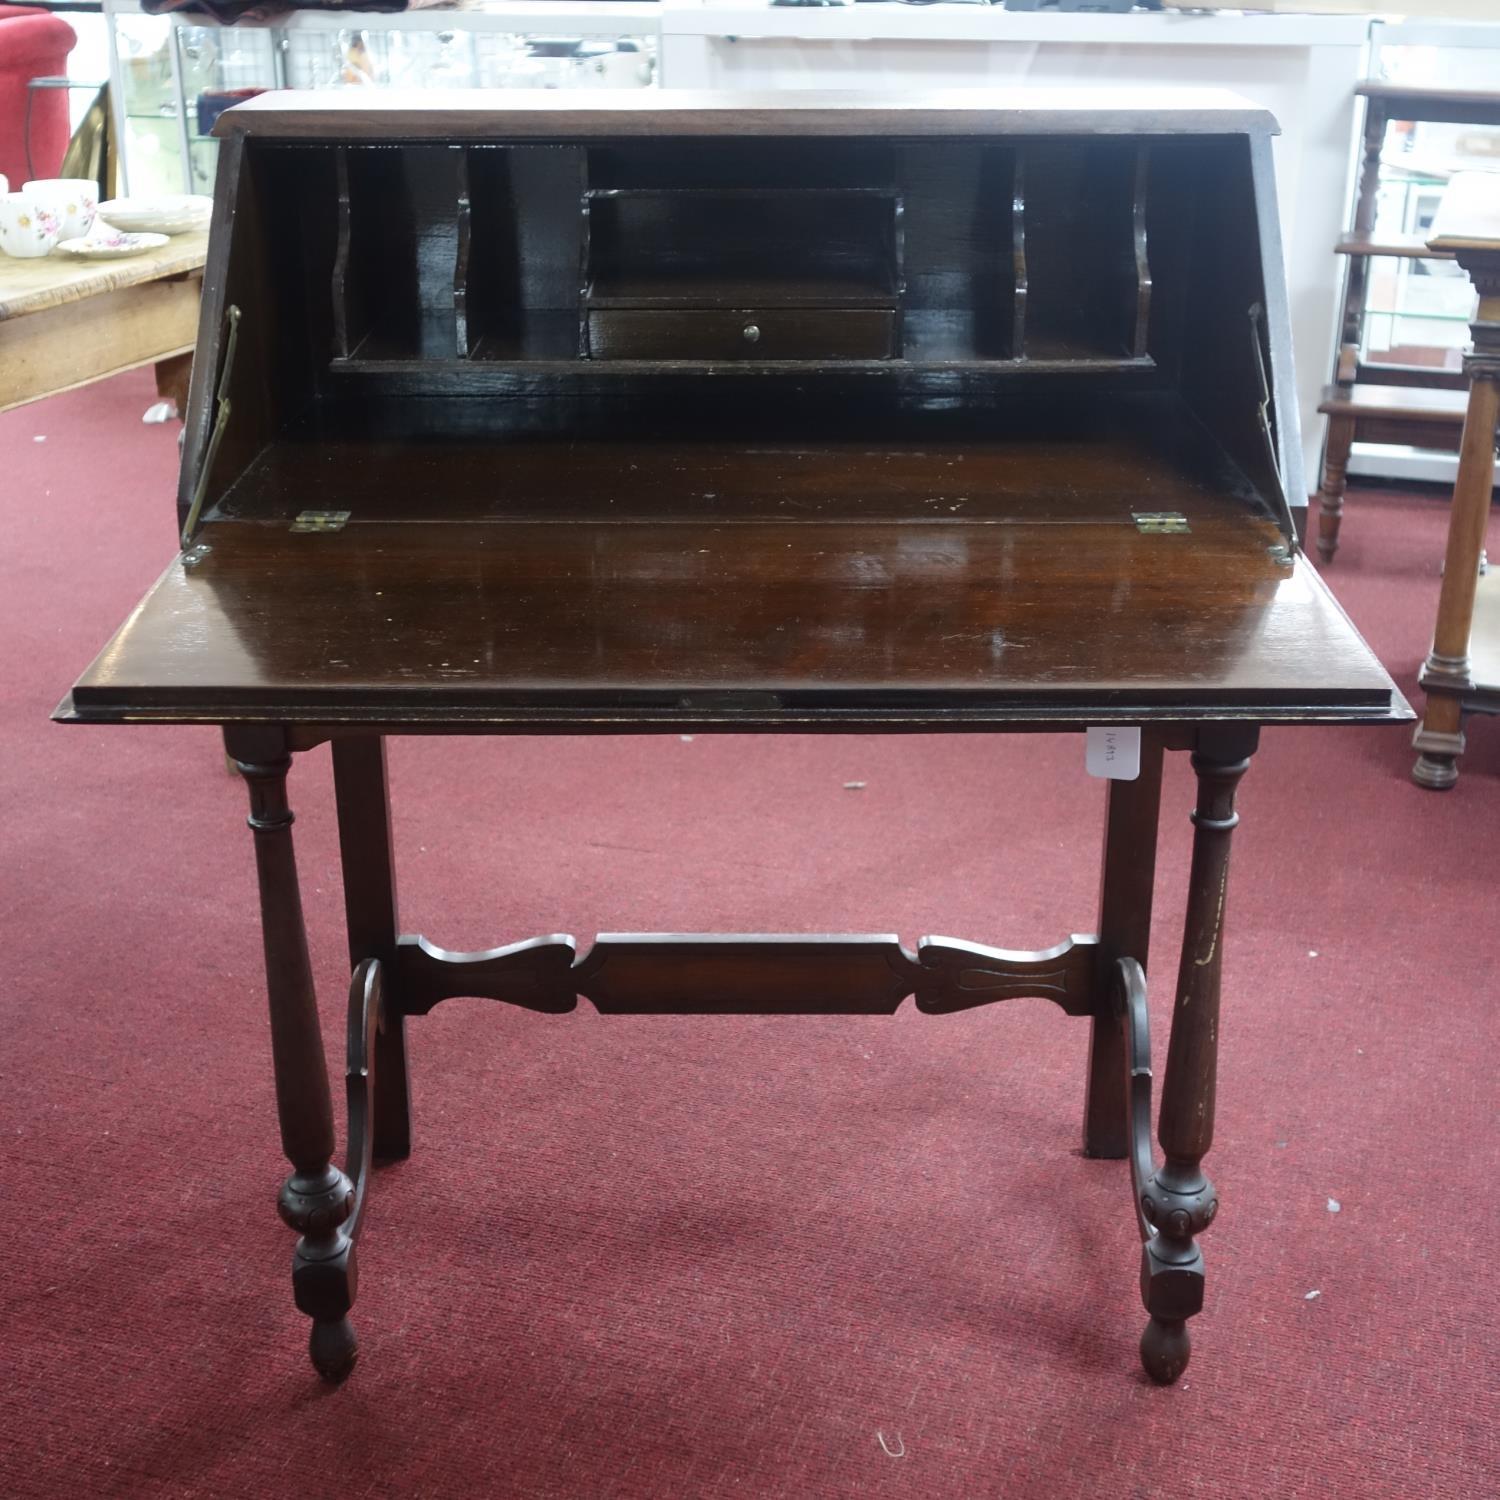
x,y
1160,522
321,520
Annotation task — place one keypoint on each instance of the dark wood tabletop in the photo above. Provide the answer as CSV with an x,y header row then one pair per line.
x,y
738,624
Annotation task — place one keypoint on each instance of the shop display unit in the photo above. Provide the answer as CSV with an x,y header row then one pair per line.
x,y
173,74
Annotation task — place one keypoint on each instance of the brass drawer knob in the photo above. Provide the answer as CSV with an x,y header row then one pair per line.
x,y
751,333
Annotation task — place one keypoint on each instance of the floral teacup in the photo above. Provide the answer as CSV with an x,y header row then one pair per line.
x,y
27,228
74,200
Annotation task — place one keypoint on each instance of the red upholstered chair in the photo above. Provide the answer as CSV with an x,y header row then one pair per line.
x,y
33,44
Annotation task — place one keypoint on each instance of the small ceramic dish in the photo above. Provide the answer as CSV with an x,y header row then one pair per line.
x,y
172,213
107,243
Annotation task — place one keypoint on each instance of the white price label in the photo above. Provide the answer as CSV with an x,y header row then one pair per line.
x,y
1114,752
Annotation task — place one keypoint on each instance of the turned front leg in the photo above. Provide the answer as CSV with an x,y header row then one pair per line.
x,y
317,1198
1446,674
1179,1201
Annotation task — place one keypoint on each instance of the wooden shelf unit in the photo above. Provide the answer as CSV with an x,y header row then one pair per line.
x,y
906,256
1354,414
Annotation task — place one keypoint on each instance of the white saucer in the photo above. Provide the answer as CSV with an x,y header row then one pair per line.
x,y
171,213
110,245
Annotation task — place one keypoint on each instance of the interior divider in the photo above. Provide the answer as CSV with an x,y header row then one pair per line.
x,y
585,244
1018,255
348,320
464,334
1140,337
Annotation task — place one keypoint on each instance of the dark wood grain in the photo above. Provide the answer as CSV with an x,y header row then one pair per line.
x,y
774,413
367,858
744,333
1180,1202
530,622
1126,891
317,1198
638,974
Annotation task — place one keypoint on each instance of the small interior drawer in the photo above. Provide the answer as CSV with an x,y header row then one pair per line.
x,y
743,333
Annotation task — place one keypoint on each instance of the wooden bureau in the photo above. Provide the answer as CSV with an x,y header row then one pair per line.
x,y
967,413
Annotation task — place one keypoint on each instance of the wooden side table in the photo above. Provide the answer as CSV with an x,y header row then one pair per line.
x,y
1462,672
65,323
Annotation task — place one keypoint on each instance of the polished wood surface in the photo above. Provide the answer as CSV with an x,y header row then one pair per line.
x,y
1417,403
853,456
531,623
475,445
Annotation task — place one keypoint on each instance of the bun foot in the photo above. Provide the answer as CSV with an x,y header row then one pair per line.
x,y
334,1349
1165,1348
1436,772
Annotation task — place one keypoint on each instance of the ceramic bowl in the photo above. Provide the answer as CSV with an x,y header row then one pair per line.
x,y
174,213
27,228
74,200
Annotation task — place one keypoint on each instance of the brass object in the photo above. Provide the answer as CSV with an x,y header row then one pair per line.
x,y
321,520
1164,522
221,421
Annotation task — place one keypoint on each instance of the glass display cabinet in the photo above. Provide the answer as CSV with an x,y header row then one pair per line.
x,y
173,75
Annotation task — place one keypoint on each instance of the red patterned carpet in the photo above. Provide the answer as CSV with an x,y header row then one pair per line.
x,y
705,1258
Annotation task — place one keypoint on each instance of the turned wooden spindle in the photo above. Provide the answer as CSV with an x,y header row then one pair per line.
x,y
1180,1202
1446,676
317,1198
1335,483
